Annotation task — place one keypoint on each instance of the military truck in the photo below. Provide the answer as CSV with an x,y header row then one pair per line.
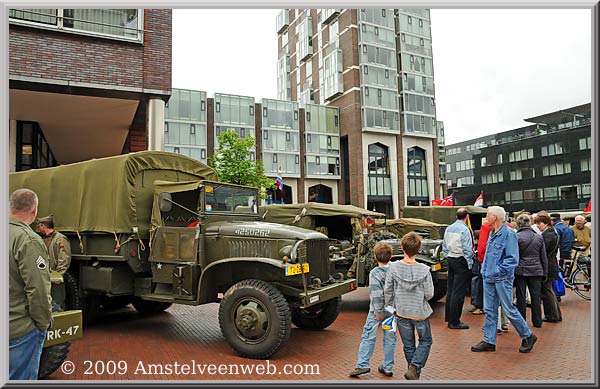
x,y
155,228
353,232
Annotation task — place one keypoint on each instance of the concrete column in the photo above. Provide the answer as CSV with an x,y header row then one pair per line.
x,y
12,137
156,124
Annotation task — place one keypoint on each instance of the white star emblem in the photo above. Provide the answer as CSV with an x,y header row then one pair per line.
x,y
159,266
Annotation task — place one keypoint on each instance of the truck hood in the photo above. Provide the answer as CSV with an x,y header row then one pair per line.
x,y
254,229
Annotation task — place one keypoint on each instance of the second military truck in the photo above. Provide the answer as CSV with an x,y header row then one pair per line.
x,y
156,228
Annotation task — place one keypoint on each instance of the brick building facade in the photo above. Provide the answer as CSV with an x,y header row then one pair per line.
x,y
86,83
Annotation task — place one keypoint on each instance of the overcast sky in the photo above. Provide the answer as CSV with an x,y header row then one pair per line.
x,y
492,68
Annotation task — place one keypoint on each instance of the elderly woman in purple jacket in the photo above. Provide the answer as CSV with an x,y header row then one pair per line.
x,y
532,269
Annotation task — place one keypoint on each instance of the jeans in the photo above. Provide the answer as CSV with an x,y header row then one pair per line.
x,y
416,356
476,285
24,355
534,284
367,344
459,277
500,293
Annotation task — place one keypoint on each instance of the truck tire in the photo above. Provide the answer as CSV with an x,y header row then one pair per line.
x,y
318,316
53,356
439,290
255,319
74,299
148,307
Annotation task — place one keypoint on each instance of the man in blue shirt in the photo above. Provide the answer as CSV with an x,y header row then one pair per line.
x,y
498,272
458,248
565,238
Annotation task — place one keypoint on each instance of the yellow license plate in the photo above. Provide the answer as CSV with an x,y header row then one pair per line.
x,y
436,267
299,268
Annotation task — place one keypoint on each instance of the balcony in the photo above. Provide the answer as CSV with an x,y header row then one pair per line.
x,y
329,14
283,20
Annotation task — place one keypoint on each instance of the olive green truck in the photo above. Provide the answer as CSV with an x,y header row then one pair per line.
x,y
155,228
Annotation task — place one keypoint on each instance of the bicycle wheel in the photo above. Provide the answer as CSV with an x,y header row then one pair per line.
x,y
582,284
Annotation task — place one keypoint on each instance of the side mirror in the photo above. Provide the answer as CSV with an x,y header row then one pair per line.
x,y
165,203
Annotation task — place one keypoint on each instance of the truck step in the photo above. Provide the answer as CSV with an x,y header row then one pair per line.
x,y
167,298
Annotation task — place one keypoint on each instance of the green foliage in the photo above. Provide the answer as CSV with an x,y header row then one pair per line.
x,y
233,165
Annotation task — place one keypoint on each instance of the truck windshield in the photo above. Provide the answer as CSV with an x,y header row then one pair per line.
x,y
230,199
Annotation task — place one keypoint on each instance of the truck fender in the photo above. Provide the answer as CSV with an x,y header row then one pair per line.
x,y
207,287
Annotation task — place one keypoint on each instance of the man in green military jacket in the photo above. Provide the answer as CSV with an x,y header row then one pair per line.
x,y
30,302
58,245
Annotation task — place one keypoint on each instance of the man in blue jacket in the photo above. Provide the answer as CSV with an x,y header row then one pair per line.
x,y
565,238
498,272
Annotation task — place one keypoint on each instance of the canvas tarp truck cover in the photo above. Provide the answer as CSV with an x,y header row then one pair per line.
x,y
404,225
299,214
112,194
443,215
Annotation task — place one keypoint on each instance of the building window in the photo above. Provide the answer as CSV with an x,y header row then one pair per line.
x,y
265,134
203,153
218,107
417,175
287,136
585,165
383,13
379,183
192,129
122,24
409,20
251,111
202,105
366,69
264,111
420,22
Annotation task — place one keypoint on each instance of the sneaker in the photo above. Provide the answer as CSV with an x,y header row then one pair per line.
x,y
483,346
385,373
498,331
477,311
459,326
505,330
412,373
358,371
527,344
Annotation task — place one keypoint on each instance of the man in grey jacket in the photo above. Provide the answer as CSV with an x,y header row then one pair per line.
x,y
408,287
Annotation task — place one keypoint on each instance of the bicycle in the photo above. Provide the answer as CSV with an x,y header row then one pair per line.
x,y
577,274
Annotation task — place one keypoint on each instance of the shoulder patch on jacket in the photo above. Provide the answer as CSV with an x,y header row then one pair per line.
x,y
41,263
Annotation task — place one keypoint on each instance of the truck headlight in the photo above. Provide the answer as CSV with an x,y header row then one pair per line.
x,y
285,253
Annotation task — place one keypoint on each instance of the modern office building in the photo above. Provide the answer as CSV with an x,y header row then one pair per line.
x,y
301,145
545,165
86,83
376,67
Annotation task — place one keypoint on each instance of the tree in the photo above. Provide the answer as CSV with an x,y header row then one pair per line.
x,y
233,164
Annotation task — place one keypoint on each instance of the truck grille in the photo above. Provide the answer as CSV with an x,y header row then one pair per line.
x,y
250,248
316,253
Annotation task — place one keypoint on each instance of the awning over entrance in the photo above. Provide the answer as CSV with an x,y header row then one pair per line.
x,y
76,127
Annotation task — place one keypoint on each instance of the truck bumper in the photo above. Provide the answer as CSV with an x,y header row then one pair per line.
x,y
313,297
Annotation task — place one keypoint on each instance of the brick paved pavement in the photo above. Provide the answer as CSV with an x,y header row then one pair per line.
x,y
184,334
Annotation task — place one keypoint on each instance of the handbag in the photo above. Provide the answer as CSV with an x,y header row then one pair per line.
x,y
558,286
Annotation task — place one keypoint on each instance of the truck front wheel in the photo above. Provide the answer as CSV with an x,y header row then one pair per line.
x,y
439,289
255,319
318,316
